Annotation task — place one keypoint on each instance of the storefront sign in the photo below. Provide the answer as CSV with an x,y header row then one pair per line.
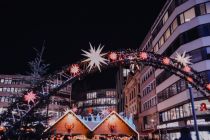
x,y
203,107
199,121
168,125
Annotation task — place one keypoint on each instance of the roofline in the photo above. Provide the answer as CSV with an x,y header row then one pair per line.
x,y
114,112
70,111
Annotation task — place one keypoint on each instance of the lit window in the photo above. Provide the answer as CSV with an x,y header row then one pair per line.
x,y
156,48
181,18
165,17
161,41
202,9
189,14
208,7
167,34
0,89
2,80
174,25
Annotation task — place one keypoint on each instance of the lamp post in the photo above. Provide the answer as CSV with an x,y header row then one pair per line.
x,y
193,111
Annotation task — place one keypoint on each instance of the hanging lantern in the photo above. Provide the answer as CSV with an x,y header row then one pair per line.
x,y
74,69
166,61
187,69
143,55
189,79
69,126
208,86
113,56
2,129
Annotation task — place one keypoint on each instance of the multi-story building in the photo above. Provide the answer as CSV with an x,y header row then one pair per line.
x,y
10,87
13,85
181,26
121,78
97,101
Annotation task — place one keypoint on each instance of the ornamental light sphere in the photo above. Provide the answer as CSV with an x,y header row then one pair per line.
x,y
187,69
143,55
74,69
166,61
113,56
208,86
189,79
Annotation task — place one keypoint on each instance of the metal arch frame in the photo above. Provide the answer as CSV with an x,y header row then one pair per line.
x,y
125,57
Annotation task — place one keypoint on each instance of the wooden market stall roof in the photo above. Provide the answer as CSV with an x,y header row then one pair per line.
x,y
114,124
69,123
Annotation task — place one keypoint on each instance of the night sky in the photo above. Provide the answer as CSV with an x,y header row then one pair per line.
x,y
69,27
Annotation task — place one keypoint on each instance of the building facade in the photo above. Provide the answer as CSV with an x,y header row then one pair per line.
x,y
12,86
121,78
97,101
181,26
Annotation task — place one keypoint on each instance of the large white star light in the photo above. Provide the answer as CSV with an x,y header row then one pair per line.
x,y
95,57
183,59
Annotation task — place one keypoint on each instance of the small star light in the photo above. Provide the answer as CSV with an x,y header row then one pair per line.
x,y
183,59
30,97
166,61
74,69
143,55
113,56
94,57
74,109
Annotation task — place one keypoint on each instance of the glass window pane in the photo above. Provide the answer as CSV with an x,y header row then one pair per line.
x,y
181,18
167,34
165,17
173,114
202,9
161,41
196,55
189,14
208,7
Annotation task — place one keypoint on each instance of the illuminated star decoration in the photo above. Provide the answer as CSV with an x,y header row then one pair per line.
x,y
183,59
30,97
94,57
74,109
113,56
74,69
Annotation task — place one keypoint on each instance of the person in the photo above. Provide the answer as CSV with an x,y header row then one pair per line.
x,y
185,134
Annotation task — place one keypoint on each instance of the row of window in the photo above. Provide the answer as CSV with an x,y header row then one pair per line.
x,y
184,111
149,88
132,94
100,94
11,81
7,99
172,90
150,103
100,101
172,6
188,36
180,19
91,95
132,109
148,74
12,89
197,56
110,94
200,54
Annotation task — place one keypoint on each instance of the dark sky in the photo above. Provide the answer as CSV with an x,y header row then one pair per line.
x,y
68,28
